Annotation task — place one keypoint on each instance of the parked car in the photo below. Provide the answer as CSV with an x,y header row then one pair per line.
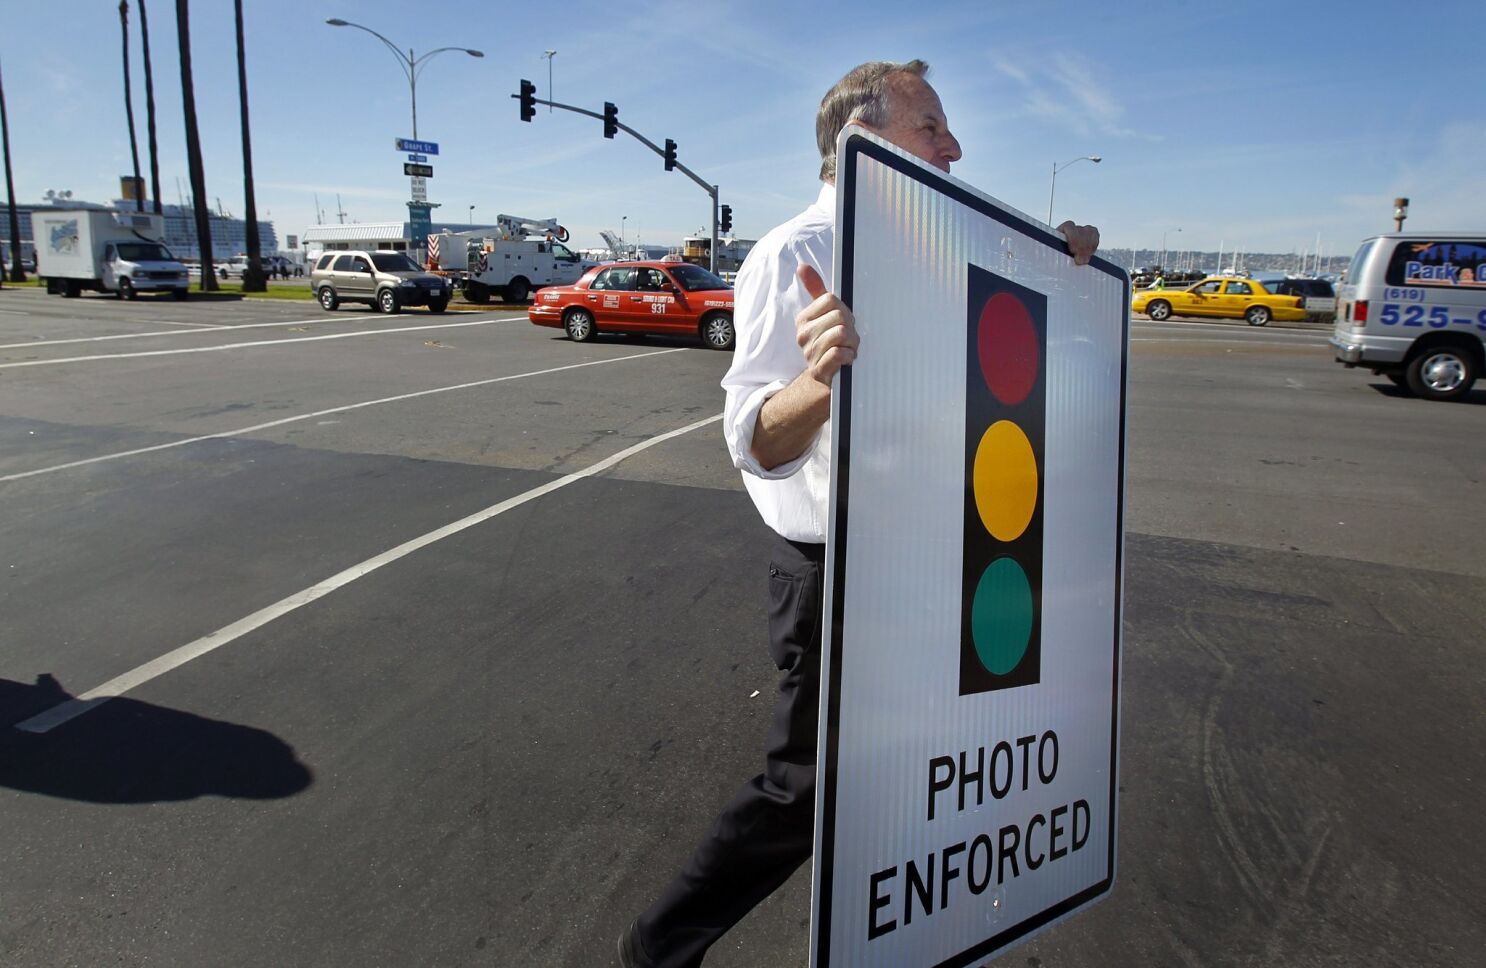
x,y
1245,299
388,281
1317,296
1413,309
640,297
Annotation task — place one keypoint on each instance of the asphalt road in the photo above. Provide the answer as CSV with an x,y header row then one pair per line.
x,y
419,675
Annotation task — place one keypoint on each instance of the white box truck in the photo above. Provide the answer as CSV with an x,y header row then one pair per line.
x,y
105,251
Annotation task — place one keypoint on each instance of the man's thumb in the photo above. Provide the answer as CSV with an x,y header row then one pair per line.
x,y
812,282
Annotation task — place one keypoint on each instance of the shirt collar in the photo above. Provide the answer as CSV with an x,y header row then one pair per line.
x,y
826,200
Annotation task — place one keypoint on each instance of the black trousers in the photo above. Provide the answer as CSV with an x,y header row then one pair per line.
x,y
768,830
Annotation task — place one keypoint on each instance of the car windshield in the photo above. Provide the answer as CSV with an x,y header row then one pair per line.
x,y
143,252
393,262
696,279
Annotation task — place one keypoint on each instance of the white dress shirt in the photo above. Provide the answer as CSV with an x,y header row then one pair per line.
x,y
793,497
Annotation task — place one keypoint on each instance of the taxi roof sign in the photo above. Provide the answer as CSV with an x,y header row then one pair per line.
x,y
970,677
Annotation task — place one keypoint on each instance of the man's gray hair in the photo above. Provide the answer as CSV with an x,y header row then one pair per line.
x,y
862,95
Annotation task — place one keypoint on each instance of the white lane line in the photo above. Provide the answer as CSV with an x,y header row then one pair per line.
x,y
205,328
322,413
72,708
252,343
14,312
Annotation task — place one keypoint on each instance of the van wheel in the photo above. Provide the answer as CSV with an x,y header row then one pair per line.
x,y
181,294
518,290
477,293
126,289
1158,310
71,289
1257,315
579,325
329,301
717,331
387,302
1441,373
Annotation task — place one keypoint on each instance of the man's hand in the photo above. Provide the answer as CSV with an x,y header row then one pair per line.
x,y
789,420
1082,241
826,330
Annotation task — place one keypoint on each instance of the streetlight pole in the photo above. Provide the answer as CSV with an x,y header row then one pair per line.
x,y
549,54
472,216
1054,187
622,220
411,66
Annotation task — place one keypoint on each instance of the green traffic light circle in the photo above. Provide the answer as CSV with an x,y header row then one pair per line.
x,y
1001,616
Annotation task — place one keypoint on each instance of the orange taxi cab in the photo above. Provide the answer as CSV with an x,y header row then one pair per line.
x,y
640,297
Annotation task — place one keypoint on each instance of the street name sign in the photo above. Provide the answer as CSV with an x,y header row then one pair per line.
x,y
422,147
417,157
422,171
969,740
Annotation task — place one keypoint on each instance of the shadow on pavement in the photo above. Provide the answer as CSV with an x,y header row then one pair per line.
x,y
1475,396
127,751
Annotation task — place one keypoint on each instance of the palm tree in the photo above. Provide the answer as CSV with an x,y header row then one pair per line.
x,y
253,280
193,147
149,108
17,268
129,107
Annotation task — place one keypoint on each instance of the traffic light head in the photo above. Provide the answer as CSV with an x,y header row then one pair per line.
x,y
611,120
1005,407
725,223
528,100
670,154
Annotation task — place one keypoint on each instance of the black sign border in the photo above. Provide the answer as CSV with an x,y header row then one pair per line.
x,y
846,183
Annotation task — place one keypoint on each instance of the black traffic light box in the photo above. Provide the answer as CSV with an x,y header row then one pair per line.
x,y
725,223
670,154
611,120
1005,446
528,100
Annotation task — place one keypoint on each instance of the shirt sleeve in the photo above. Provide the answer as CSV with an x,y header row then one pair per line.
x,y
767,296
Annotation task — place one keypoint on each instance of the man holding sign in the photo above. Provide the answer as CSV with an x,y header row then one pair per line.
x,y
793,337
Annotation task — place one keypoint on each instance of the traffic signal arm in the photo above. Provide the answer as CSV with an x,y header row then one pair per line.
x,y
621,126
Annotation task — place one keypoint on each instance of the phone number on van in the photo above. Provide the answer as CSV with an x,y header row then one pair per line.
x,y
1437,317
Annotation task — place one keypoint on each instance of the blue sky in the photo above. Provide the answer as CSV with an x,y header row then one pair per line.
x,y
1256,125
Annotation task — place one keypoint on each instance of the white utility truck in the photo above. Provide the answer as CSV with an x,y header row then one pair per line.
x,y
105,251
525,254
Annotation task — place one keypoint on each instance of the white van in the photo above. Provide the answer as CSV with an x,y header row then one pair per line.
x,y
1412,307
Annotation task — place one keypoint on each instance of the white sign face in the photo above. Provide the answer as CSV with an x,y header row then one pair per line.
x,y
970,676
420,188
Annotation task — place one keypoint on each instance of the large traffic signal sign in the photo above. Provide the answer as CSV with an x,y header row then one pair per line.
x,y
670,154
1005,417
611,120
528,100
725,223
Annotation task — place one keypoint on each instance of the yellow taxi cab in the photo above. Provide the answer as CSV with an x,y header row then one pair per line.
x,y
1234,298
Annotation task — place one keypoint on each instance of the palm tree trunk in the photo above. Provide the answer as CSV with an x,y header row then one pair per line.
x,y
149,109
129,107
17,268
193,147
253,279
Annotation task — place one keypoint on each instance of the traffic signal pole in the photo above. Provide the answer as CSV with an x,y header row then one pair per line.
x,y
711,190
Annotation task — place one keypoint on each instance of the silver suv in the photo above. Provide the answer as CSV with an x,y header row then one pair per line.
x,y
388,281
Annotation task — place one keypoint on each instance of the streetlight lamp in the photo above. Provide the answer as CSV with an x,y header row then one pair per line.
x,y
549,54
1163,250
1054,187
1400,212
411,66
472,216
